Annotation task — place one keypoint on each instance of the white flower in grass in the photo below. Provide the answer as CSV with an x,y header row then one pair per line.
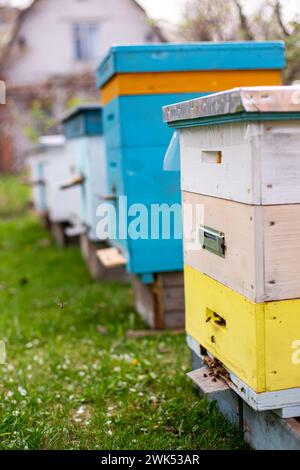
x,y
22,391
9,394
81,373
109,432
16,413
81,410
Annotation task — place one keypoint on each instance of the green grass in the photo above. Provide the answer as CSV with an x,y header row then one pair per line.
x,y
66,385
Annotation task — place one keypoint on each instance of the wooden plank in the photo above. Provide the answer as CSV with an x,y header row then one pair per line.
x,y
111,257
74,181
259,162
58,233
127,84
174,319
237,222
233,178
262,256
171,279
208,384
262,430
161,307
173,299
145,302
98,271
282,251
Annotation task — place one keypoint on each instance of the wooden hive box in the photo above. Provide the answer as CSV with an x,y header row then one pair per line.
x,y
259,343
241,206
253,157
135,82
35,164
84,133
50,168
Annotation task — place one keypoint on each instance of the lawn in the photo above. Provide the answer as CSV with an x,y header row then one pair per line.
x,y
72,379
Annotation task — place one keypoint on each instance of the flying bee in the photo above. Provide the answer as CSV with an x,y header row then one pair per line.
x,y
61,304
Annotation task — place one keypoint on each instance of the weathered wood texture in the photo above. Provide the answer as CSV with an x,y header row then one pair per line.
x,y
262,255
97,270
262,430
58,233
259,164
161,304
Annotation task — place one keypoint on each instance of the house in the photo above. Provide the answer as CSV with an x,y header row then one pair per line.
x,y
49,59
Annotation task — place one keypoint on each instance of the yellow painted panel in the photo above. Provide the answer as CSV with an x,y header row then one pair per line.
x,y
282,344
185,82
260,343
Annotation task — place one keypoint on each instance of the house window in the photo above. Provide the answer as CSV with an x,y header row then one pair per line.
x,y
86,41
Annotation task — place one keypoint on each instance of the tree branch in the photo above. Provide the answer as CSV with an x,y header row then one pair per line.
x,y
278,15
244,22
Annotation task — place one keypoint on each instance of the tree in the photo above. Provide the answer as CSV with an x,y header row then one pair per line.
x,y
219,20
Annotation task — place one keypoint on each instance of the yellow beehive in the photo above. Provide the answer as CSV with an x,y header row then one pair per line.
x,y
260,343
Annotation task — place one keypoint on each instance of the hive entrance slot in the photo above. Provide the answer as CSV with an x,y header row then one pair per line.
x,y
215,318
211,156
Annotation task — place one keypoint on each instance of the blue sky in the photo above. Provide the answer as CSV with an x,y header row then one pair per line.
x,y
170,9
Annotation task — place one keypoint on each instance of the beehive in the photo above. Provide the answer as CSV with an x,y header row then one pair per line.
x,y
240,168
84,133
37,181
135,82
47,172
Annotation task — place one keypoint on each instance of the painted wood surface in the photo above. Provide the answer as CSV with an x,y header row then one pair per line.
x,y
259,164
136,121
98,270
137,174
256,342
56,172
35,164
193,56
262,430
262,255
137,139
185,82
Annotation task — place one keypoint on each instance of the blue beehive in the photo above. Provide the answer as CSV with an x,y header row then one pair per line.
x,y
84,133
136,82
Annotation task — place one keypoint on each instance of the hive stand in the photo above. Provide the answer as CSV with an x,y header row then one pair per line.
x,y
263,430
58,233
90,250
161,304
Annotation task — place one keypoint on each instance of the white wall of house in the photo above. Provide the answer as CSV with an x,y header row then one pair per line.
x,y
46,42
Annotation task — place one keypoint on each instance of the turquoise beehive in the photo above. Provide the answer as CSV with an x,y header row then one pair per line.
x,y
136,82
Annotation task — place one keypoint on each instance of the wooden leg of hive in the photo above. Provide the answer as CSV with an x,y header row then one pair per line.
x,y
161,304
58,233
98,271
